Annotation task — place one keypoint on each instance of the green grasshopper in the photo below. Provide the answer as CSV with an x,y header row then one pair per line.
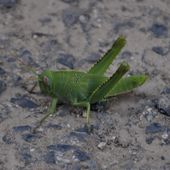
x,y
85,88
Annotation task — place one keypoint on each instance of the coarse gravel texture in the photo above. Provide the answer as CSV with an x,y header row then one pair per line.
x,y
128,132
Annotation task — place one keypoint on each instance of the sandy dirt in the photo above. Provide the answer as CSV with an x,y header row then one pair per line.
x,y
129,132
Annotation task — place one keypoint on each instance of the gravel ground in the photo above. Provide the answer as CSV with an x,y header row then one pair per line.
x,y
129,132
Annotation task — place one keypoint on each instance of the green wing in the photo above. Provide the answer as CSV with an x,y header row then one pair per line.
x,y
102,64
101,91
127,84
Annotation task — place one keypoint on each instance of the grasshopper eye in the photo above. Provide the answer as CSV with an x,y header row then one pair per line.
x,y
46,80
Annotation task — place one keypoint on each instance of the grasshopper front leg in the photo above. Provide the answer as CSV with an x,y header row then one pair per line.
x,y
51,110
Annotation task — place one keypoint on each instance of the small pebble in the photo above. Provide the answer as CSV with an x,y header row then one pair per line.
x,y
149,113
101,145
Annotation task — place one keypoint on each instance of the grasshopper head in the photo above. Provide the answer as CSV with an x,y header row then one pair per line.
x,y
44,80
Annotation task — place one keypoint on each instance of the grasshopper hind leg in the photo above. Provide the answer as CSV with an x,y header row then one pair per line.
x,y
87,106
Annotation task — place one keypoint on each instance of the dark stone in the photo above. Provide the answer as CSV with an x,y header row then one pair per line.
x,y
70,17
22,128
50,45
8,139
2,71
83,129
45,21
78,135
81,155
70,1
29,137
149,140
8,3
163,106
159,50
24,102
67,60
26,157
166,90
2,86
93,58
159,30
167,141
61,147
123,25
3,116
54,126
166,166
154,128
24,154
126,54
49,158
99,106
139,0
26,57
162,158
17,80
